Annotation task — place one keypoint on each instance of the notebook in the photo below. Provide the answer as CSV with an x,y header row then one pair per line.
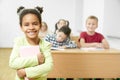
x,y
29,51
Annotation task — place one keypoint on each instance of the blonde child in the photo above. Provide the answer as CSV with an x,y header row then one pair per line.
x,y
90,38
44,30
38,66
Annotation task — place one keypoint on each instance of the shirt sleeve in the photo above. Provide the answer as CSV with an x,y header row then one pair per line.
x,y
43,69
83,34
17,62
70,44
47,37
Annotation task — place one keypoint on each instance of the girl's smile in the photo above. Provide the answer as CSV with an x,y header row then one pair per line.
x,y
30,26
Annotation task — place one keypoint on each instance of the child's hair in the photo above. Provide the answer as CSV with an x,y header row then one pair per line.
x,y
66,21
45,24
92,17
22,12
66,30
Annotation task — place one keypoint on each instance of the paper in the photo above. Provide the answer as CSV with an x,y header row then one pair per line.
x,y
91,48
55,48
29,51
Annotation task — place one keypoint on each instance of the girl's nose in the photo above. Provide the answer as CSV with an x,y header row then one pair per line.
x,y
31,27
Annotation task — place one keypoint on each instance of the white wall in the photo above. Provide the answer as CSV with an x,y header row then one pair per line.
x,y
76,11
78,17
96,8
112,22
59,9
53,11
112,18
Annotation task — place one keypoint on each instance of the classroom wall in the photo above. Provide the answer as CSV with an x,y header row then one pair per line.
x,y
53,11
78,17
112,18
96,8
111,26
76,11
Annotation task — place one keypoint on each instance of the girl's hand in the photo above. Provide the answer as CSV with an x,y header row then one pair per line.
x,y
31,79
21,73
41,58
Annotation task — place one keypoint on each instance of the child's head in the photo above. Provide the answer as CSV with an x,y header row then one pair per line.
x,y
44,26
91,23
30,21
61,23
63,34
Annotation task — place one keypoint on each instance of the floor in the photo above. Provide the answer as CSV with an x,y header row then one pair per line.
x,y
6,73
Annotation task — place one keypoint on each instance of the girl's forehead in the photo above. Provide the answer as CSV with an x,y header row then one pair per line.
x,y
30,14
30,17
62,21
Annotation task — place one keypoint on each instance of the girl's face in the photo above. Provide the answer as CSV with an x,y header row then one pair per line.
x,y
61,23
31,26
91,25
60,37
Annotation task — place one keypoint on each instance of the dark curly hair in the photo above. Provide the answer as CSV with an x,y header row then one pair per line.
x,y
36,11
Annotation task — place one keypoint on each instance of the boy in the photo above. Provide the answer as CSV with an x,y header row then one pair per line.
x,y
90,38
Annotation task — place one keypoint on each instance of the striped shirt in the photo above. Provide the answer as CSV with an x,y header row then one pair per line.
x,y
52,39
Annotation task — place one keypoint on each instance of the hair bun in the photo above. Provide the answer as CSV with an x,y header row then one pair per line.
x,y
40,9
20,9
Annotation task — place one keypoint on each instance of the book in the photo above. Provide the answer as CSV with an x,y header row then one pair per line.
x,y
29,51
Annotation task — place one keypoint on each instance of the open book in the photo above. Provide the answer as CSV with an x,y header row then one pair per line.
x,y
29,51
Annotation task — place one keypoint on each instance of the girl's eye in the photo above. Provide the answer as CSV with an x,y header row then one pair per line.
x,y
89,23
35,23
26,24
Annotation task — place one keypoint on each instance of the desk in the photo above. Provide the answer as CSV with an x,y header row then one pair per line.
x,y
76,63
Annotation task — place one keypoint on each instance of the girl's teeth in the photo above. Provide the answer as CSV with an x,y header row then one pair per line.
x,y
31,33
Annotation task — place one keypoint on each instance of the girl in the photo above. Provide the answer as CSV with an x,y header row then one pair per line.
x,y
38,66
61,23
